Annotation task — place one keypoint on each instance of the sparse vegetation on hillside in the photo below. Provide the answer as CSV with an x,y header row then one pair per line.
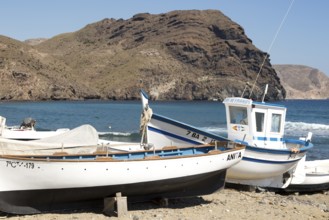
x,y
191,55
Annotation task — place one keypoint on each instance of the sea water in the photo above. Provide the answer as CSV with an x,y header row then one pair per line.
x,y
120,120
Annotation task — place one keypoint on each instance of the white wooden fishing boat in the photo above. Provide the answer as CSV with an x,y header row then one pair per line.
x,y
315,177
34,183
270,159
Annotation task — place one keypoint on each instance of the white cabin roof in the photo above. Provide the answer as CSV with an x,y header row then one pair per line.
x,y
248,102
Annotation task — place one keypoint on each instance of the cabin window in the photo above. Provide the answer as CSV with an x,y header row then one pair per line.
x,y
238,115
260,121
276,123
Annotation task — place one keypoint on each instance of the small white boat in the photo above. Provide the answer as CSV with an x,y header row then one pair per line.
x,y
82,139
34,183
316,177
26,131
270,159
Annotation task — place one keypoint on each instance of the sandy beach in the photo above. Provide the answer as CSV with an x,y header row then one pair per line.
x,y
225,204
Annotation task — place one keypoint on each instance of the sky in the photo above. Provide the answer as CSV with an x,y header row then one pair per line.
x,y
291,31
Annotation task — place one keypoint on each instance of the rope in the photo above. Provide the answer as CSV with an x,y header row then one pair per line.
x,y
268,51
145,119
294,150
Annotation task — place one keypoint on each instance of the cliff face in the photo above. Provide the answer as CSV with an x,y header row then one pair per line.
x,y
28,74
303,82
191,55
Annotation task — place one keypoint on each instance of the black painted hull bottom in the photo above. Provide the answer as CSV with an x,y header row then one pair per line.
x,y
38,201
307,188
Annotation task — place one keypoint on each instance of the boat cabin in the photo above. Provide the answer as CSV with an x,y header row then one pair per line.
x,y
257,123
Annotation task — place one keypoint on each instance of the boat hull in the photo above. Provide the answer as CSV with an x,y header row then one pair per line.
x,y
312,183
45,200
257,163
28,135
33,184
316,177
254,169
261,163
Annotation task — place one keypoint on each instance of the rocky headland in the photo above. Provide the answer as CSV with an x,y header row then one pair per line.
x,y
179,55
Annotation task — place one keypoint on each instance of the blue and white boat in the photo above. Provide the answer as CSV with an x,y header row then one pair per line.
x,y
34,183
269,160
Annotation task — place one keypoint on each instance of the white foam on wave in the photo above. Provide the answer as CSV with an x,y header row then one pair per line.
x,y
292,128
302,127
306,126
103,132
115,133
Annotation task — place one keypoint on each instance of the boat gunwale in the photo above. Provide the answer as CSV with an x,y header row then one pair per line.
x,y
303,149
107,158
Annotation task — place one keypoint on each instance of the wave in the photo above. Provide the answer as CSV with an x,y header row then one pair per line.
x,y
120,136
301,128
114,133
306,126
291,128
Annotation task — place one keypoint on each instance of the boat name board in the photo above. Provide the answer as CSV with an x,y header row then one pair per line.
x,y
16,164
241,101
200,137
234,156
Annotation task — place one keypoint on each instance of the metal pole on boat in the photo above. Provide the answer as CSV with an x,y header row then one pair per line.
x,y
269,49
245,88
107,150
265,92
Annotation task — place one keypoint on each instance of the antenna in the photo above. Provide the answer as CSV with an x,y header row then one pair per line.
x,y
265,92
268,51
245,87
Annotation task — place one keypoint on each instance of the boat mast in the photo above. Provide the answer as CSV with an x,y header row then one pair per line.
x,y
268,51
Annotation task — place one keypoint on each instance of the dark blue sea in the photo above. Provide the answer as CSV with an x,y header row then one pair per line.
x,y
119,120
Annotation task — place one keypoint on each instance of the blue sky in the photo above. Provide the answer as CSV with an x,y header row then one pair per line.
x,y
303,38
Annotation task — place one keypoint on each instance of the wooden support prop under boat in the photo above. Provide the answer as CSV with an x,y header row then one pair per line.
x,y
119,203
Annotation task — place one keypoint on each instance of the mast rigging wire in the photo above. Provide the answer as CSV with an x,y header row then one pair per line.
x,y
269,49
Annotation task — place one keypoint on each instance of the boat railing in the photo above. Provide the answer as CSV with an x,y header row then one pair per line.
x,y
296,141
297,146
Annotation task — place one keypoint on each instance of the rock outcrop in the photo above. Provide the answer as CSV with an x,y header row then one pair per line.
x,y
35,41
190,55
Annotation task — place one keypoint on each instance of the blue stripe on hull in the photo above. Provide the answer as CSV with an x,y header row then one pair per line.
x,y
268,139
277,151
270,151
173,135
187,127
245,158
250,148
